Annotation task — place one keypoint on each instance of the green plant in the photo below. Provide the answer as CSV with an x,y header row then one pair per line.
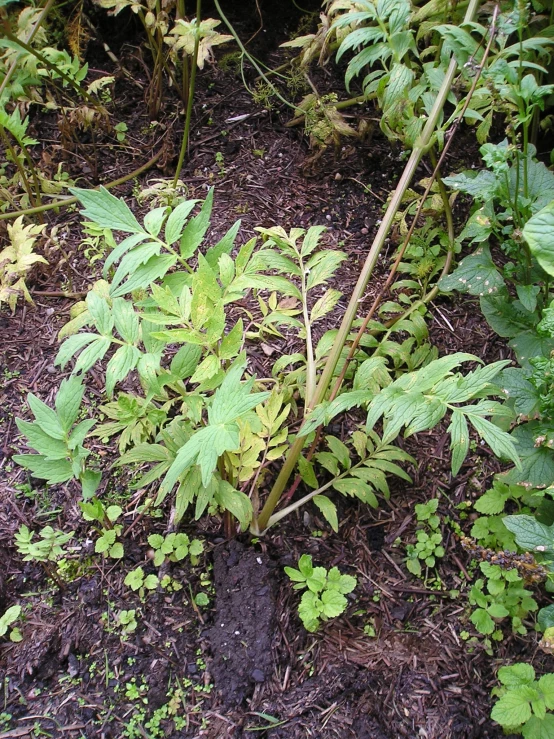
x,y
58,441
47,548
16,260
138,581
325,594
106,543
428,547
121,131
524,702
7,619
174,547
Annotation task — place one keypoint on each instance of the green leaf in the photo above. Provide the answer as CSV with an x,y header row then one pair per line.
x,y
322,267
545,617
176,221
459,440
494,500
499,441
106,210
223,246
153,269
546,686
340,451
235,501
234,398
358,488
231,343
476,275
334,603
68,401
53,471
517,674
71,346
46,417
126,320
41,442
538,232
343,583
209,367
309,610
100,313
123,361
93,353
328,509
185,361
154,219
196,228
90,481
537,728
527,295
482,621
513,709
530,534
306,470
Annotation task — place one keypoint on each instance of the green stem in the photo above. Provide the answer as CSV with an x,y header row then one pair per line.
x,y
310,360
188,115
422,145
26,184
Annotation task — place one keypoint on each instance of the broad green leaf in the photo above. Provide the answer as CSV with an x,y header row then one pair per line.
x,y
46,417
538,232
203,448
234,398
476,275
236,502
232,342
306,470
537,460
530,534
100,313
494,500
106,210
334,603
42,442
123,361
126,320
90,480
121,249
537,728
499,441
482,621
209,367
311,240
520,391
186,361
153,269
133,260
527,295
53,471
343,583
176,221
328,509
196,228
322,266
358,488
512,709
68,401
546,686
545,617
93,353
520,673
71,346
154,219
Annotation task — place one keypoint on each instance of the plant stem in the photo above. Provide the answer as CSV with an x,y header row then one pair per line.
x,y
422,145
72,200
188,115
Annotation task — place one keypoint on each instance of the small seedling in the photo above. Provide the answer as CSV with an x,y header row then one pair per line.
x,y
10,617
175,548
121,132
428,546
107,543
137,580
324,598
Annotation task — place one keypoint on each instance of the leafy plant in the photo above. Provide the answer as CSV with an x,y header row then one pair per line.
x,y
16,260
325,594
107,543
48,547
428,547
58,440
138,581
174,547
524,702
6,621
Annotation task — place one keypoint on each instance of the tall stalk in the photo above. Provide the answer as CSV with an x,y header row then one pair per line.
x,y
190,98
420,148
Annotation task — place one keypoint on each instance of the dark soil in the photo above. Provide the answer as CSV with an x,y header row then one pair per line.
x,y
244,621
243,665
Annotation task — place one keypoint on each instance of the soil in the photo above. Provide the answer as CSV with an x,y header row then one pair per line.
x,y
397,664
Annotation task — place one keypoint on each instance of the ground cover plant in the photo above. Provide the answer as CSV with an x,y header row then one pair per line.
x,y
345,392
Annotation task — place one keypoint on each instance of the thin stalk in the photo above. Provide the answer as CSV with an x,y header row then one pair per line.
x,y
20,168
190,99
72,200
422,145
311,377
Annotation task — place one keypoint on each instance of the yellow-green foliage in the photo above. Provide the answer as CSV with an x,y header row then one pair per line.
x,y
16,260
